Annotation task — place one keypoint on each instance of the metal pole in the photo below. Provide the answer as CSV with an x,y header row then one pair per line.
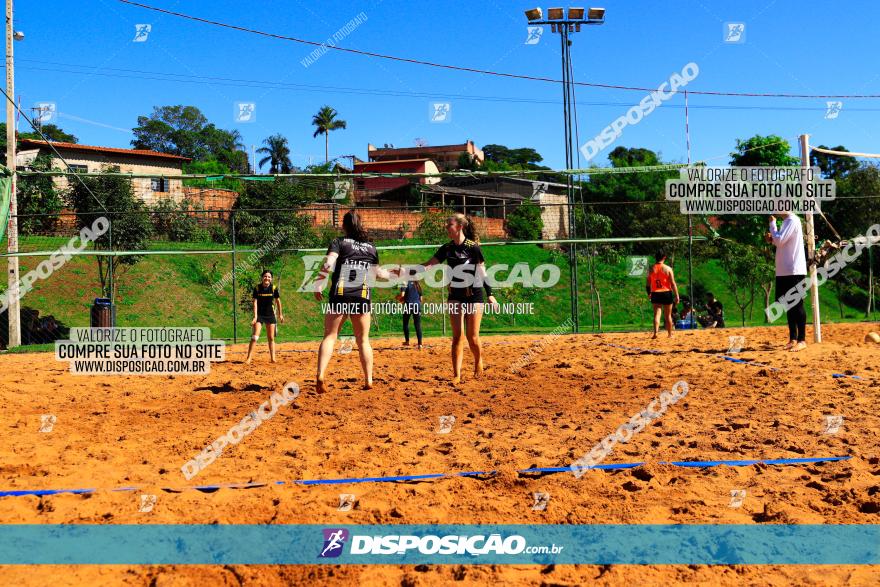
x,y
234,286
810,237
870,284
687,134
110,264
14,312
566,114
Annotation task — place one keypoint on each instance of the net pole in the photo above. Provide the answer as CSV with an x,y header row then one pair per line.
x,y
810,237
687,134
234,285
870,311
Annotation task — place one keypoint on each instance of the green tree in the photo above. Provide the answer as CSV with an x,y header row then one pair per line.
x,y
268,208
277,154
852,213
653,217
763,151
834,166
525,222
521,158
324,122
37,195
496,153
745,271
432,227
51,132
749,229
91,198
466,161
185,131
210,167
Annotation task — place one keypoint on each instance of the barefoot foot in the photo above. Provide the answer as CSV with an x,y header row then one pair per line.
x,y
320,386
798,347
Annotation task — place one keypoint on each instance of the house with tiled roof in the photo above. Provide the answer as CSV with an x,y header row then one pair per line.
x,y
92,159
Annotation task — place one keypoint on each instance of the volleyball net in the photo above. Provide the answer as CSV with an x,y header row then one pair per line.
x,y
190,255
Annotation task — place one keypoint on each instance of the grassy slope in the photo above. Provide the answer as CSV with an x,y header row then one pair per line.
x,y
175,290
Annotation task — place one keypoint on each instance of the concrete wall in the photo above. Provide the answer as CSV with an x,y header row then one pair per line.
x,y
95,162
554,213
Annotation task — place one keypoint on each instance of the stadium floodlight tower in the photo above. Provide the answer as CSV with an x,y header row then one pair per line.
x,y
565,25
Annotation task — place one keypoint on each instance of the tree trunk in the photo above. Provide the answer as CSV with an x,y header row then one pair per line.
x,y
327,147
768,289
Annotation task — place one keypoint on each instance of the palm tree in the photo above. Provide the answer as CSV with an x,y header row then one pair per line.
x,y
325,121
277,154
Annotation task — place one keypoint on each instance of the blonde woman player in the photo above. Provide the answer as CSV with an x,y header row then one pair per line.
x,y
463,254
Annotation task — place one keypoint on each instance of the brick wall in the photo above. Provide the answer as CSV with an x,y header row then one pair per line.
x,y
391,223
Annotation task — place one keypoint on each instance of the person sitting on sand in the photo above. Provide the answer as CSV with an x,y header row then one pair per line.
x,y
714,317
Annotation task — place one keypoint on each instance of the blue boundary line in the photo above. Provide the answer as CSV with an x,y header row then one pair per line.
x,y
396,478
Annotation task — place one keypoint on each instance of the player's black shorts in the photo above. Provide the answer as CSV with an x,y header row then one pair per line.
x,y
466,295
664,298
268,319
349,305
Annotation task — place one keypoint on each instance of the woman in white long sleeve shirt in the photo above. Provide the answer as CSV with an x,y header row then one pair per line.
x,y
791,269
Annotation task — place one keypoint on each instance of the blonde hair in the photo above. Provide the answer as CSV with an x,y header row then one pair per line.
x,y
467,226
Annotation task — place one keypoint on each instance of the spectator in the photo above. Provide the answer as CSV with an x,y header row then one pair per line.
x,y
714,317
686,319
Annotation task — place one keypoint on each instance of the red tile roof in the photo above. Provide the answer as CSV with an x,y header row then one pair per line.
x,y
110,150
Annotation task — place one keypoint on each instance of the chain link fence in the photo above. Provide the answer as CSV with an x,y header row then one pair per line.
x,y
188,264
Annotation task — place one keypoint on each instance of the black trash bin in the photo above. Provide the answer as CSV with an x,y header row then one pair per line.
x,y
103,314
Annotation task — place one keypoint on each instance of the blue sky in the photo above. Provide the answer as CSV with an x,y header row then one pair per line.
x,y
81,56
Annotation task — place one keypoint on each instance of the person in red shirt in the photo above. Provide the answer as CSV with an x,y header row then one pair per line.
x,y
663,292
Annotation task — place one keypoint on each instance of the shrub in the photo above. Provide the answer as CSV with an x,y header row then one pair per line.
x,y
525,223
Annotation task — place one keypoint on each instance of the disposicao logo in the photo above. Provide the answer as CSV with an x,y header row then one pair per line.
x,y
334,540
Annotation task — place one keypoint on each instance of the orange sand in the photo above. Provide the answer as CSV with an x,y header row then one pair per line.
x,y
126,430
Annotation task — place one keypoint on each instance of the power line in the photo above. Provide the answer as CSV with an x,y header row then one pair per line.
x,y
263,84
484,71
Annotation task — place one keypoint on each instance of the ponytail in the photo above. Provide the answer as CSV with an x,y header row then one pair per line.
x,y
467,226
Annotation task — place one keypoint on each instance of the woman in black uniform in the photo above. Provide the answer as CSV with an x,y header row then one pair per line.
x,y
354,262
265,296
466,299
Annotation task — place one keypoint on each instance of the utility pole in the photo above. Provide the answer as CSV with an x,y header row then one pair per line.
x,y
810,236
37,117
13,311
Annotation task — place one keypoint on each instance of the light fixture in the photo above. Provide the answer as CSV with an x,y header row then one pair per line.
x,y
18,36
534,14
575,14
596,14
555,13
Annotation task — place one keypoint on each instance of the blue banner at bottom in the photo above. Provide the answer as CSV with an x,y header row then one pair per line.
x,y
406,544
